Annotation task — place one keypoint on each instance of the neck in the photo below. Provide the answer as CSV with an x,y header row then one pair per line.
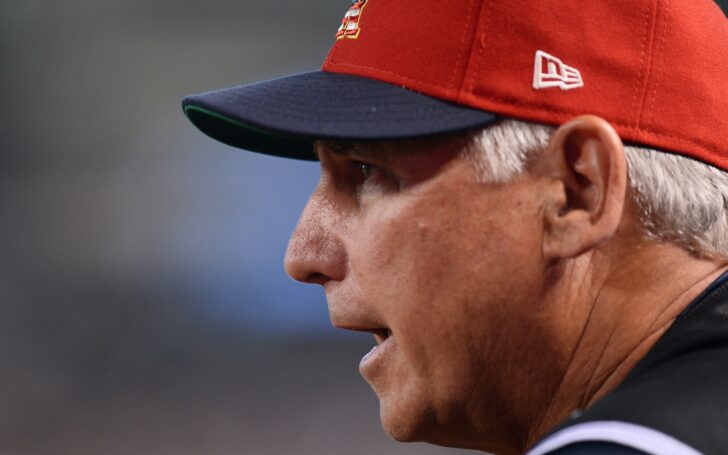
x,y
631,304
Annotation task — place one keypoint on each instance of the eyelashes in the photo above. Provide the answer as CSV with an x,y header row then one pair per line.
x,y
367,170
370,174
373,179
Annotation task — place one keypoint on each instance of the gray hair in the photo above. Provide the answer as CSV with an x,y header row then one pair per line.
x,y
679,199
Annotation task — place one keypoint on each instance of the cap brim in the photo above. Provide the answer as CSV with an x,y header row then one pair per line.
x,y
283,116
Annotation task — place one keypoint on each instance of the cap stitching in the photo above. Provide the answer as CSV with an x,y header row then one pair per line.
x,y
643,54
268,106
430,112
660,69
294,100
461,52
481,47
650,61
427,112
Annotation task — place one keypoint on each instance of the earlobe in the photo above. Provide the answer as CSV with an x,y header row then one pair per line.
x,y
589,170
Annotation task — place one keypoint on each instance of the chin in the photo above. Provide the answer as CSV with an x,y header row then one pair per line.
x,y
411,420
406,420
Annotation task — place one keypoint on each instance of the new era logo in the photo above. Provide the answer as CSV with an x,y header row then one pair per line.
x,y
550,72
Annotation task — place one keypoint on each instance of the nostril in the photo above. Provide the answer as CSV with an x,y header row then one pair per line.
x,y
305,269
315,257
317,278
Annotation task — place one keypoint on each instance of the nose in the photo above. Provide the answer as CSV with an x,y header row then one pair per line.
x,y
316,253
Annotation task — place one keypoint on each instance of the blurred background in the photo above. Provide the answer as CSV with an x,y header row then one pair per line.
x,y
143,303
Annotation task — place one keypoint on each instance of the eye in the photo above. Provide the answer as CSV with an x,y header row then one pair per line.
x,y
366,169
375,176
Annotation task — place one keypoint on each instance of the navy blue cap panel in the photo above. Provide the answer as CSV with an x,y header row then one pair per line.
x,y
283,116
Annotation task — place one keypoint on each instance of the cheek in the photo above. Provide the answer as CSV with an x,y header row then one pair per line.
x,y
460,292
403,252
432,259
442,277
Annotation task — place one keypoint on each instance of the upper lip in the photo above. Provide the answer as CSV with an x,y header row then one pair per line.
x,y
350,313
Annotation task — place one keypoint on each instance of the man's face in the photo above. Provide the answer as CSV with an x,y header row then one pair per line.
x,y
446,272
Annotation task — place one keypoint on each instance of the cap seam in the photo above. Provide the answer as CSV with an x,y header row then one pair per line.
x,y
479,55
266,105
229,117
468,61
643,54
650,61
660,69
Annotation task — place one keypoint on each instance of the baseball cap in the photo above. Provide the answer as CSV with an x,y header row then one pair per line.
x,y
657,70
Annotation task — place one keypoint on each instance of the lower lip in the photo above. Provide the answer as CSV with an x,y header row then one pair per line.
x,y
376,358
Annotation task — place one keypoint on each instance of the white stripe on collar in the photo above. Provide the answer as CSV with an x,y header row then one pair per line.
x,y
627,434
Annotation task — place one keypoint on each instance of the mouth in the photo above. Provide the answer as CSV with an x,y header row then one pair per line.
x,y
381,335
377,357
373,361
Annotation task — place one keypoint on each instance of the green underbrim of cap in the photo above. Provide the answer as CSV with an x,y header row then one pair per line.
x,y
249,137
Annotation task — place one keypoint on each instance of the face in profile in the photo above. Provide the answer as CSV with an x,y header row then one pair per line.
x,y
445,272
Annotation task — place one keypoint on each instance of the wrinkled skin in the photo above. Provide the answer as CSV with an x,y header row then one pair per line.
x,y
467,286
423,249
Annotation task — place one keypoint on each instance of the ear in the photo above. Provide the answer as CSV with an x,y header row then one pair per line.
x,y
586,159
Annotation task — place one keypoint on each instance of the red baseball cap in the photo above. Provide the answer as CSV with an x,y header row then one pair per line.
x,y
657,70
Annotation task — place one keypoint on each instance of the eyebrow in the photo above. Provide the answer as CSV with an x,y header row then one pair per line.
x,y
347,148
388,149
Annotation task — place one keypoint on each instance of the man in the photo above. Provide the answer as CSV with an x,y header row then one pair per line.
x,y
531,283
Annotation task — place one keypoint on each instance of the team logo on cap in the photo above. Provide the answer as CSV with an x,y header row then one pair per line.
x,y
552,72
350,24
